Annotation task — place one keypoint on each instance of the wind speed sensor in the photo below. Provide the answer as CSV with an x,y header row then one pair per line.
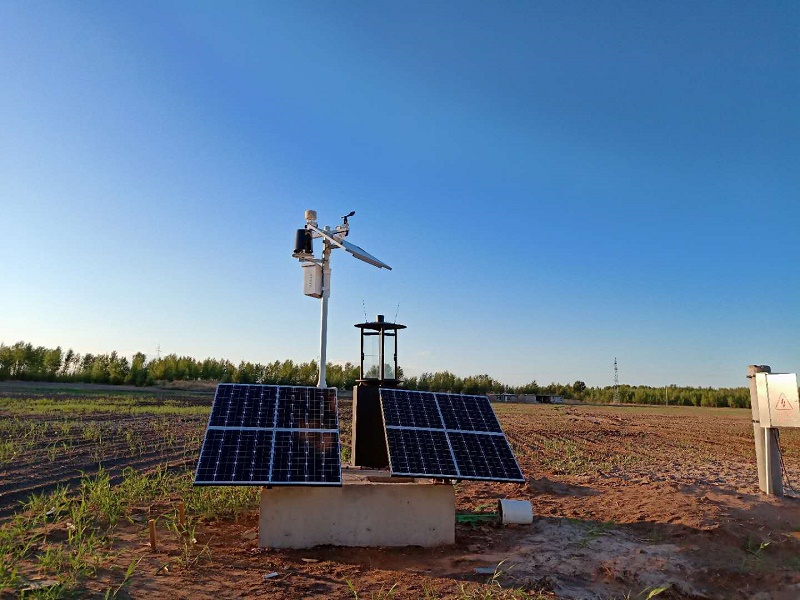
x,y
317,271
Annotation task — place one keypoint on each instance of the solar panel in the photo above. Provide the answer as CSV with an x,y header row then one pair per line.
x,y
271,435
446,436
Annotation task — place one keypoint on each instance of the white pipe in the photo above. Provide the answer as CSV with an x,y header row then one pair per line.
x,y
515,511
323,341
323,330
767,462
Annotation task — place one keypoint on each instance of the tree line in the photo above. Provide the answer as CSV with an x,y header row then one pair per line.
x,y
23,361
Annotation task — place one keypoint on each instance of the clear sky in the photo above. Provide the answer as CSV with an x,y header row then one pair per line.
x,y
555,184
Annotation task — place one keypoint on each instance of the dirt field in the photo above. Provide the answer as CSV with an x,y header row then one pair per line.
x,y
628,501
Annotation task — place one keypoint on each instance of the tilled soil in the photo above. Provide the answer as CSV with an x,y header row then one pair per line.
x,y
59,449
627,501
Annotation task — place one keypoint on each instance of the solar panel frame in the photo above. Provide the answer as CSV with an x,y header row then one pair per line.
x,y
466,413
241,417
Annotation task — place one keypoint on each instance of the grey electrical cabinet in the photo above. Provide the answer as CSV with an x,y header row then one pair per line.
x,y
778,402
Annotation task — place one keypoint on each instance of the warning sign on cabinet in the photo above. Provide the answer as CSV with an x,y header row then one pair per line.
x,y
778,402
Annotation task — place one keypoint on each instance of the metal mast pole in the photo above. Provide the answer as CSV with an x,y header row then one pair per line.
x,y
323,330
616,382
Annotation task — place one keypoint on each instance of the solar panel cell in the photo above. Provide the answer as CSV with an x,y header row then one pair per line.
x,y
403,408
307,408
484,456
420,453
305,457
259,407
271,435
467,413
209,455
243,406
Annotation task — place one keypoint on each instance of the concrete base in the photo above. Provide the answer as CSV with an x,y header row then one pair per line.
x,y
370,509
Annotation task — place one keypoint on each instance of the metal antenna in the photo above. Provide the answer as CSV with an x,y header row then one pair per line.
x,y
395,313
364,306
616,382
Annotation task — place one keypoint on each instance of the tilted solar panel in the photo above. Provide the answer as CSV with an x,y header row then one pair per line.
x,y
446,436
271,435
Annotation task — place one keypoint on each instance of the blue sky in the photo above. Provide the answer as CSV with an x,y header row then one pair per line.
x,y
555,184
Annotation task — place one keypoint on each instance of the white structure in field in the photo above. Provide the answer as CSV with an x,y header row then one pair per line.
x,y
317,271
778,402
774,403
370,509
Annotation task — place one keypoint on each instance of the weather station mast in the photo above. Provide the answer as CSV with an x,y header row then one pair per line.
x,y
317,271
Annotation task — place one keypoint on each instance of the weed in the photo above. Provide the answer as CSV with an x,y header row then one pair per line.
x,y
9,449
112,593
489,593
97,493
44,505
494,589
654,591
92,432
751,547
352,589
430,593
215,502
654,536
794,563
595,531
190,552
117,405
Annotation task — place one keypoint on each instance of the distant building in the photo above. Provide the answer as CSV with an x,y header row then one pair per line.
x,y
528,398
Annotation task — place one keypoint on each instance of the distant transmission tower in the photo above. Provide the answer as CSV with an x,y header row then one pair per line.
x,y
616,382
158,355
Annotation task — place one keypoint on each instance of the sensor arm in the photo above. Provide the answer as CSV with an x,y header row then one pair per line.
x,y
359,253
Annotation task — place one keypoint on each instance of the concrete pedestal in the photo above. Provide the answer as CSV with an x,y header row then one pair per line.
x,y
370,509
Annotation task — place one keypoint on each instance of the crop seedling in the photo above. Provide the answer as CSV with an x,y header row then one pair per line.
x,y
112,593
190,555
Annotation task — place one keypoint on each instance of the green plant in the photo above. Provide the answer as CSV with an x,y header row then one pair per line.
x,y
9,450
794,563
495,588
98,494
430,593
654,536
754,548
45,505
595,531
16,543
112,593
654,591
190,552
384,594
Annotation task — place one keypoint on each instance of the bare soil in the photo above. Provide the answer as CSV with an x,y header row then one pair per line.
x,y
627,500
